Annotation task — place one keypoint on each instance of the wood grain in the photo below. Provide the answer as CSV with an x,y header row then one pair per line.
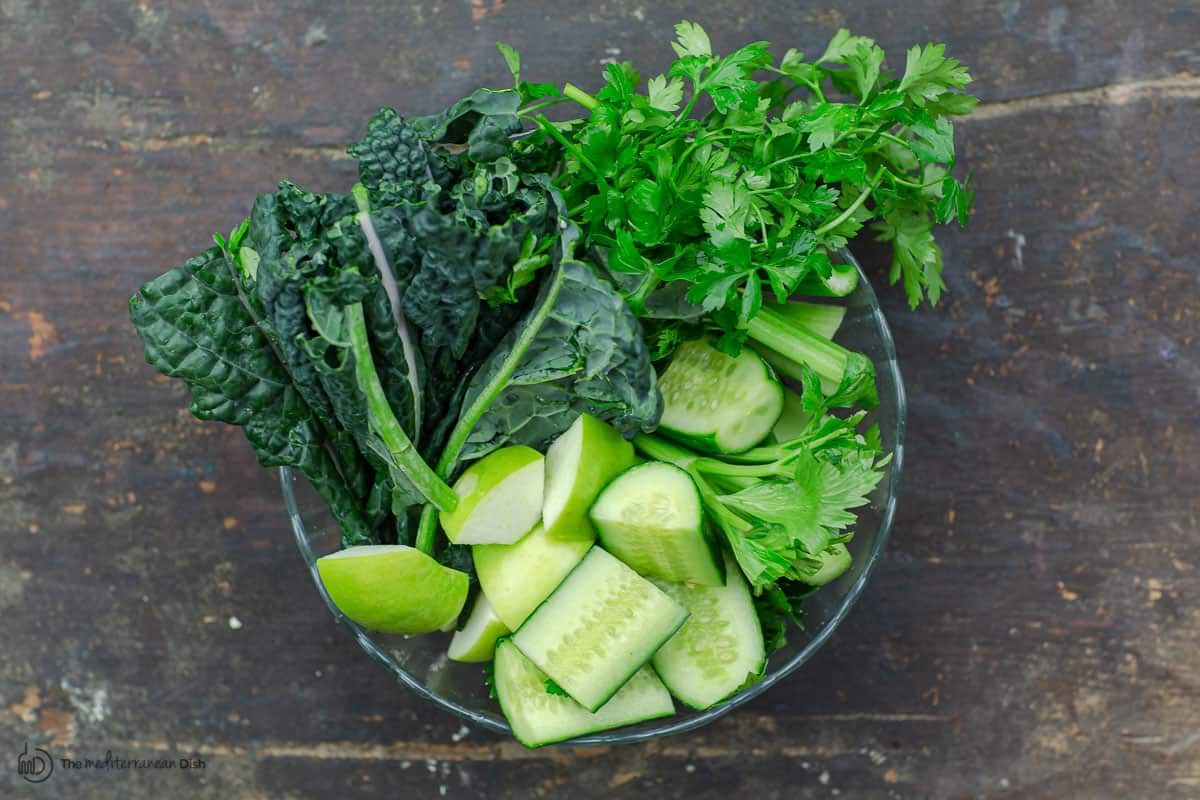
x,y
1034,631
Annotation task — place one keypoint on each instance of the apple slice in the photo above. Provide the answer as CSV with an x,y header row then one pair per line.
x,y
393,588
517,577
499,498
477,639
579,464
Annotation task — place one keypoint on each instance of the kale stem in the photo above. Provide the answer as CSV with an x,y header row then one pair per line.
x,y
390,286
584,99
850,209
427,528
384,422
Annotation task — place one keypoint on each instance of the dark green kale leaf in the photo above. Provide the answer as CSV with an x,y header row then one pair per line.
x,y
197,327
587,355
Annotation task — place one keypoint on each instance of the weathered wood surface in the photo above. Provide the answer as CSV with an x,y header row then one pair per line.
x,y
1034,631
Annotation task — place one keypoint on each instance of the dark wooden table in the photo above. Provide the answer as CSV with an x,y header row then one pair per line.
x,y
1034,631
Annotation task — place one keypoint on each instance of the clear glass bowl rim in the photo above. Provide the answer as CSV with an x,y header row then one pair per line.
x,y
693,720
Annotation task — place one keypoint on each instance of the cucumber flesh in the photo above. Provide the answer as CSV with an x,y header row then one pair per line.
x,y
719,403
793,420
476,641
538,717
719,649
598,628
517,577
835,560
650,518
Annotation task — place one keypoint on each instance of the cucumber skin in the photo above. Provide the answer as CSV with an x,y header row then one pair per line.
x,y
632,672
505,642
710,540
752,675
707,442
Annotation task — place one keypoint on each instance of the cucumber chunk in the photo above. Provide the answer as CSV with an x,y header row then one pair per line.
x,y
578,465
720,647
598,628
538,717
650,518
517,577
477,640
834,561
793,420
718,403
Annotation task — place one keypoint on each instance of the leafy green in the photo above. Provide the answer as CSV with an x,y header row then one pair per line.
x,y
781,173
586,356
198,327
779,604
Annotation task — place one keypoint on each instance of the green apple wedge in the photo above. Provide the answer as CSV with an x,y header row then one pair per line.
x,y
516,578
499,498
579,464
476,641
393,588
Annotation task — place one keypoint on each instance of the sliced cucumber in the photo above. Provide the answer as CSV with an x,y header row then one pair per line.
x,y
820,318
578,465
499,498
538,717
517,577
718,403
793,420
476,641
720,647
834,561
598,628
650,518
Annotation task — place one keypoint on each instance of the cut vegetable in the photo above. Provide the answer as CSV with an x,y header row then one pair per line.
x,y
650,518
789,347
538,717
719,403
477,639
834,561
598,628
393,588
517,577
499,498
720,647
578,465
793,420
820,318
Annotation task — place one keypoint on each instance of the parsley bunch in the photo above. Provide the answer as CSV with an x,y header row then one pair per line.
x,y
738,175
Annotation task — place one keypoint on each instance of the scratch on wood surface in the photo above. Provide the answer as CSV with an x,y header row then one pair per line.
x,y
1184,86
42,334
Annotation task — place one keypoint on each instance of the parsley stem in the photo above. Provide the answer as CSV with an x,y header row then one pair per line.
x,y
897,179
850,209
557,135
527,110
584,99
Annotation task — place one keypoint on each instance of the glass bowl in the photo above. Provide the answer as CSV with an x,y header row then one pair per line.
x,y
420,662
